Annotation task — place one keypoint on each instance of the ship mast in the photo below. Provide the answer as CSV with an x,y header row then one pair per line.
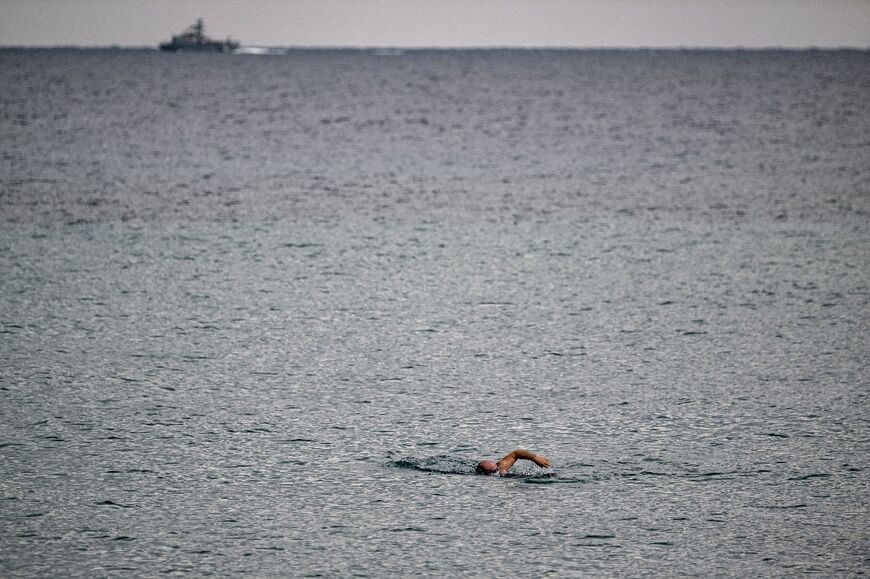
x,y
199,31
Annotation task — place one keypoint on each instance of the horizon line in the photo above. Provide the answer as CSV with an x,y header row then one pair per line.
x,y
808,48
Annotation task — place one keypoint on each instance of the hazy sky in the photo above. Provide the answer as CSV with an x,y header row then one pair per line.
x,y
444,23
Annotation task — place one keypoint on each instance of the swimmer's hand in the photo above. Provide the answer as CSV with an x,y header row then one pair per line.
x,y
505,464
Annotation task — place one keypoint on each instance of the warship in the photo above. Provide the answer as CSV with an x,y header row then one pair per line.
x,y
194,40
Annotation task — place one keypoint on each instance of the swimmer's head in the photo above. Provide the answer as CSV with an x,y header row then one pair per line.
x,y
487,467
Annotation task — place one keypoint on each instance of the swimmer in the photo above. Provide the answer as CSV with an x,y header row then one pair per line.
x,y
504,465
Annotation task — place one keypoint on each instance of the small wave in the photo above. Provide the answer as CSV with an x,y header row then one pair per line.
x,y
261,51
810,476
108,503
441,464
549,478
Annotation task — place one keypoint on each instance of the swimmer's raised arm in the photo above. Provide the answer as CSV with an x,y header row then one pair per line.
x,y
508,461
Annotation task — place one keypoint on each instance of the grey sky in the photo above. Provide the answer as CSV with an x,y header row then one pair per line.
x,y
445,23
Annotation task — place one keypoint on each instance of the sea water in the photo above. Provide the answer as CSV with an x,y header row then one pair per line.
x,y
262,315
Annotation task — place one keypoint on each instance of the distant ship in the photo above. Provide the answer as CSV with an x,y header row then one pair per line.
x,y
194,40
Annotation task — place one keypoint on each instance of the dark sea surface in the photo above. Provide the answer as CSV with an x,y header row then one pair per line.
x,y
261,315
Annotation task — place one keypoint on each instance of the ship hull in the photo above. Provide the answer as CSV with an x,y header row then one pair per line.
x,y
208,47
